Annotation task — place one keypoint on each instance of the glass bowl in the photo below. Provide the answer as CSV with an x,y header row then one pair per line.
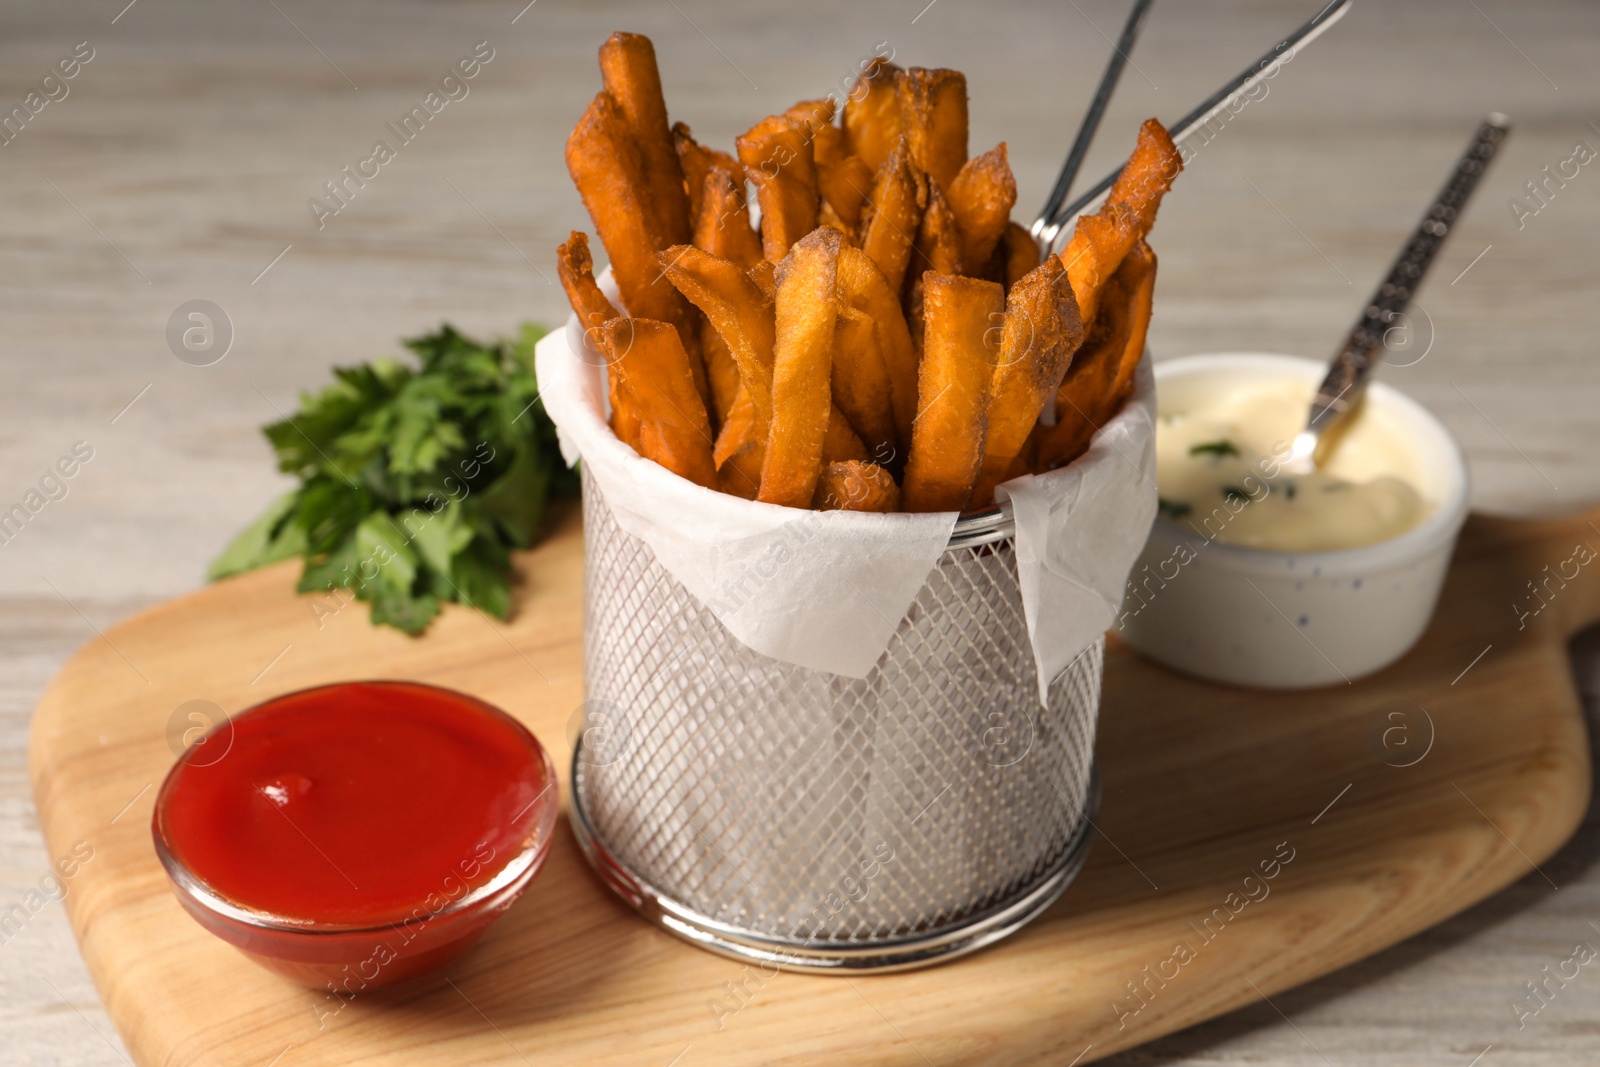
x,y
248,880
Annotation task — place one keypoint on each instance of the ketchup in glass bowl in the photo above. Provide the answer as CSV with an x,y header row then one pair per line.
x,y
357,834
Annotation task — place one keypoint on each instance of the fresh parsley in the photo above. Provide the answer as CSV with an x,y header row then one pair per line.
x,y
1172,509
1223,447
416,483
1234,495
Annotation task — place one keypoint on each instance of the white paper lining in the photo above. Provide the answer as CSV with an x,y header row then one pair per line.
x,y
827,589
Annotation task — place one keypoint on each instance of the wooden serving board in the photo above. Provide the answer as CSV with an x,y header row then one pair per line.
x,y
1402,799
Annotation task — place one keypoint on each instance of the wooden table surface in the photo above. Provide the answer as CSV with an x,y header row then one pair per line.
x,y
179,164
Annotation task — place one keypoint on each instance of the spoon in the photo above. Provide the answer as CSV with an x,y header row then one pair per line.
x,y
1341,391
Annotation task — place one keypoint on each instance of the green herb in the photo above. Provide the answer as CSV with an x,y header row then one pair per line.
x,y
1173,509
415,483
1231,493
1223,447
1289,490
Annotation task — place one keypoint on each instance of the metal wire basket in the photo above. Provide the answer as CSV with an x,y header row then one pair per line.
x,y
822,823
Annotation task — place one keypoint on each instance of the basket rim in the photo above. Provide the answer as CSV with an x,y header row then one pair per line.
x,y
982,527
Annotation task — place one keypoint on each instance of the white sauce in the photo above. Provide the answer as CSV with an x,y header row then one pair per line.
x,y
1219,473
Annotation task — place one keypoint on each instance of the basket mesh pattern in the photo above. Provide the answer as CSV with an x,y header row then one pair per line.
x,y
813,809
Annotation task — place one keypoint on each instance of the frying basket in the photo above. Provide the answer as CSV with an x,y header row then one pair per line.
x,y
819,823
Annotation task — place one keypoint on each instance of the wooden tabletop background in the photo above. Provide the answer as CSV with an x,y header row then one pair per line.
x,y
179,164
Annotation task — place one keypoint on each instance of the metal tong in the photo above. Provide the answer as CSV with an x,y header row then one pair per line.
x,y
1054,217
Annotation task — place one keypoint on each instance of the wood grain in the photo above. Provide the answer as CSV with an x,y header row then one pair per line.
x,y
1202,784
189,146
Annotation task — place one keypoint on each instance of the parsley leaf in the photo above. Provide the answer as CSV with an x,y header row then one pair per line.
x,y
1224,447
416,482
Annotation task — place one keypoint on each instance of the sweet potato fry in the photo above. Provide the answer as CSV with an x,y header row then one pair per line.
x,y
937,249
1138,277
738,450
740,474
606,166
1100,241
1041,332
826,216
863,287
861,382
697,161
933,114
1095,251
958,361
738,433
814,113
739,446
801,404
981,197
628,67
764,275
624,412
1021,251
575,267
938,245
777,157
856,486
654,368
594,309
1088,382
722,373
872,114
845,185
739,312
743,315
886,337
1101,376
723,231
827,140
828,145
899,194
1148,174
840,442
724,226
993,269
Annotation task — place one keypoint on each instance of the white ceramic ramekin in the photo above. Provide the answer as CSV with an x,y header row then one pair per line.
x,y
1284,620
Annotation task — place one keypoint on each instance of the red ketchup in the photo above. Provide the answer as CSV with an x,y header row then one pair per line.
x,y
357,834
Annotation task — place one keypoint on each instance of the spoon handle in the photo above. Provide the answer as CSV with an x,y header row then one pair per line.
x,y
1352,366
